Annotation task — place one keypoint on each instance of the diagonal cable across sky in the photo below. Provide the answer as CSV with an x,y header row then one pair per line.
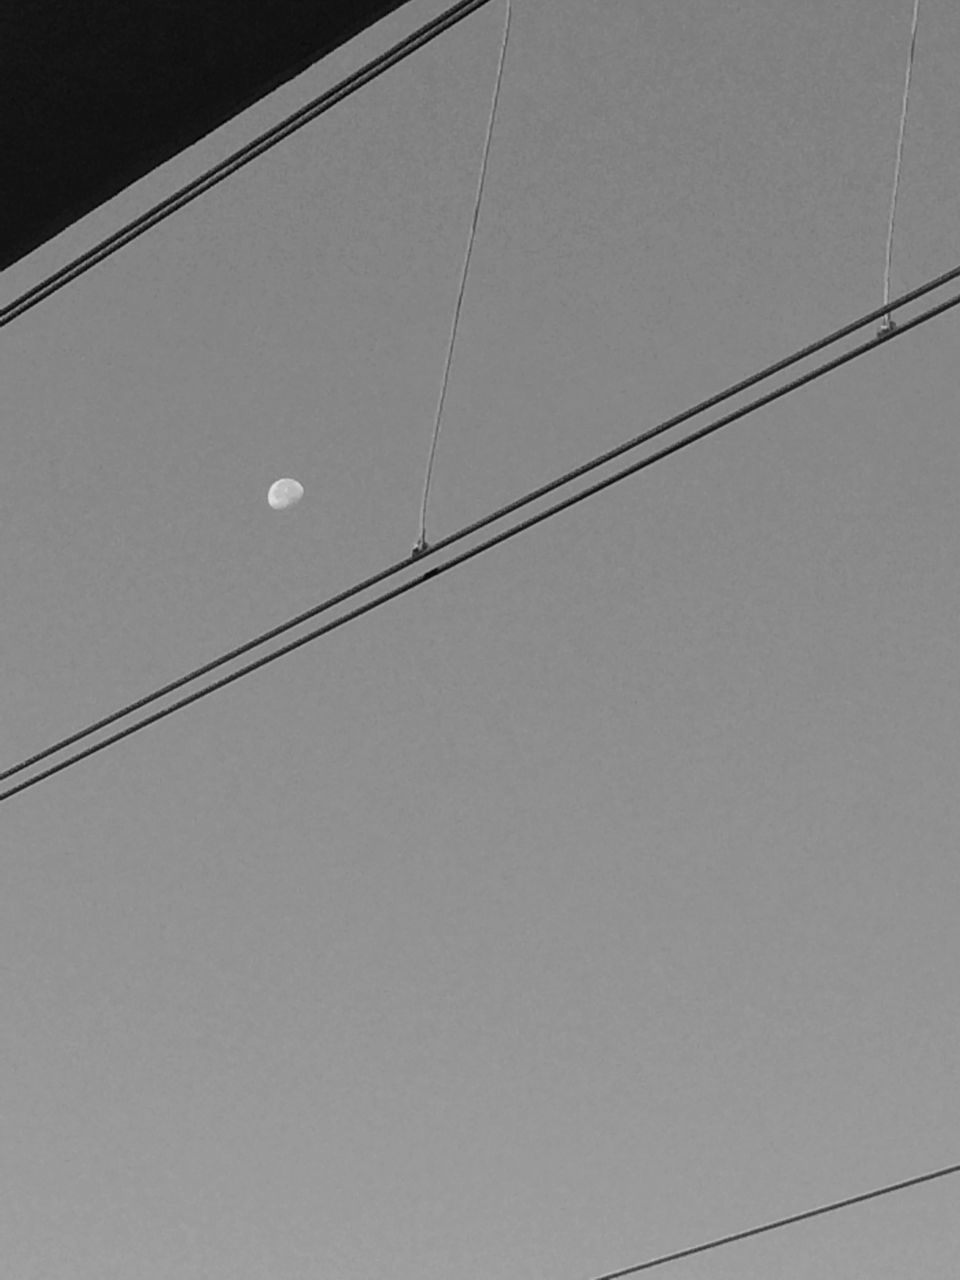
x,y
522,526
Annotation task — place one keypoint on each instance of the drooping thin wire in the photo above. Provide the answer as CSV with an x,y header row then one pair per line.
x,y
421,544
492,517
226,168
781,1222
520,527
887,321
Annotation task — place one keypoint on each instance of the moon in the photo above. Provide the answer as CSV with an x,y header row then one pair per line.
x,y
284,493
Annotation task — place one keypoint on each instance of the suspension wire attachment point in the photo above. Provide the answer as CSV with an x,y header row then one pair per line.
x,y
887,325
421,545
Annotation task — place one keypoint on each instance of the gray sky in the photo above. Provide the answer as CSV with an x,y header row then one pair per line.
x,y
601,896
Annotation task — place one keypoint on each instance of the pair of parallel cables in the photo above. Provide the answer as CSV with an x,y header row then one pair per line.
x,y
422,548
306,115
818,371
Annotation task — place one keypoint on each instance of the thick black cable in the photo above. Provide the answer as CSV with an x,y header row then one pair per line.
x,y
226,168
521,527
534,495
780,1222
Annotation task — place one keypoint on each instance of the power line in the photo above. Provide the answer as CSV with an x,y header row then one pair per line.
x,y
421,544
521,527
525,500
887,321
781,1222
226,168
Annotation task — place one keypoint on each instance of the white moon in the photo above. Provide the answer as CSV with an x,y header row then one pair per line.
x,y
284,493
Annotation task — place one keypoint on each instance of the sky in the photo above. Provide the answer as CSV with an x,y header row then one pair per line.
x,y
598,897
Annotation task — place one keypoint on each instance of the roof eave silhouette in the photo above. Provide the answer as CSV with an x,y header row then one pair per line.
x,y
94,94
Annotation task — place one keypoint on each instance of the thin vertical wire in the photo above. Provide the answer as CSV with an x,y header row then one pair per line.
x,y
421,544
887,322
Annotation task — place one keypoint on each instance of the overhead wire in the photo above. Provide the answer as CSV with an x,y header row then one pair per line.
x,y
273,137
251,151
421,544
887,321
483,522
512,531
229,166
780,1222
